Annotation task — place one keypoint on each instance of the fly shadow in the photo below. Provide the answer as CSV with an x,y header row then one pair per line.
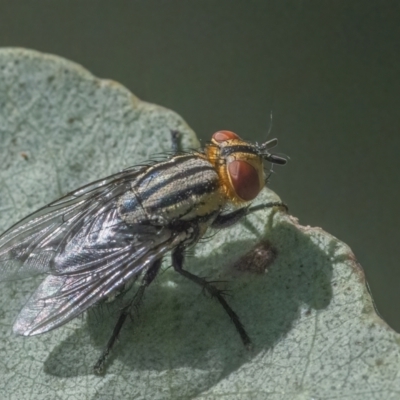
x,y
179,327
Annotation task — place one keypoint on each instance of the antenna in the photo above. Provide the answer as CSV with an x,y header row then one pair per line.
x,y
270,124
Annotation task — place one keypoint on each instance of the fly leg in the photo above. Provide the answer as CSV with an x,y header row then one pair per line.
x,y
177,263
229,219
125,312
175,138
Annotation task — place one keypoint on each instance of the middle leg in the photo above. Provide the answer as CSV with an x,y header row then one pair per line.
x,y
177,262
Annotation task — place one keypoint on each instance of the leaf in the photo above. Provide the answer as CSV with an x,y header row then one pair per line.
x,y
300,292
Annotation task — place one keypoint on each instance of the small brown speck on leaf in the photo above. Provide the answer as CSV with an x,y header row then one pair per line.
x,y
258,259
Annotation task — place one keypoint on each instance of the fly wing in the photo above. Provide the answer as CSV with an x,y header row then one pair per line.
x,y
61,298
87,250
30,246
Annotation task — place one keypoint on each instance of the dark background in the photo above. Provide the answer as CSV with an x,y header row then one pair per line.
x,y
328,70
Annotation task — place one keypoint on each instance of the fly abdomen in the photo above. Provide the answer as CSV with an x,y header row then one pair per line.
x,y
184,187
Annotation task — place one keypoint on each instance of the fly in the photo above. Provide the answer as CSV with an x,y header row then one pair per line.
x,y
94,242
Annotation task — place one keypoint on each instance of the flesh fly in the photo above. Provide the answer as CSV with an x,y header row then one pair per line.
x,y
94,242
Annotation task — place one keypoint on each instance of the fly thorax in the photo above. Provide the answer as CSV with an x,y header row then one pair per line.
x,y
130,209
184,187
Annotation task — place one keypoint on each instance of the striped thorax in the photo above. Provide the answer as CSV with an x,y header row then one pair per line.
x,y
196,186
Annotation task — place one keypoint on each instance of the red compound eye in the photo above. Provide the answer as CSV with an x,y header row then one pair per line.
x,y
244,179
222,136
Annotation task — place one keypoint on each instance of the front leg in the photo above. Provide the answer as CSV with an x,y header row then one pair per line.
x,y
229,219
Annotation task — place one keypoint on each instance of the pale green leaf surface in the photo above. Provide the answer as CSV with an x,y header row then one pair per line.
x,y
315,332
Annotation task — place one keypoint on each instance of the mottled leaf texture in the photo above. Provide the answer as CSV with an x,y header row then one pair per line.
x,y
315,332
